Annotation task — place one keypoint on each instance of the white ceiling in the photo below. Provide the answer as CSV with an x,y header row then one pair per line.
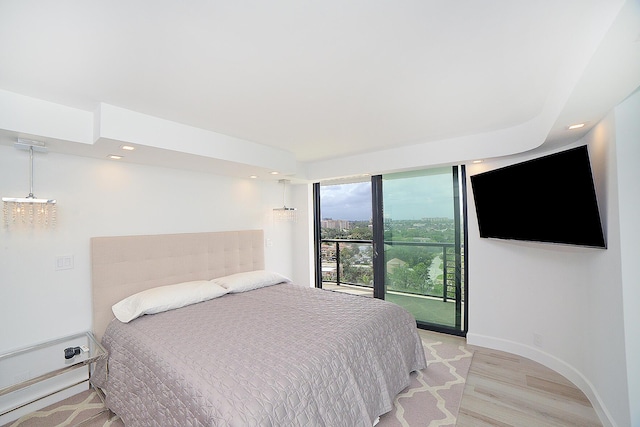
x,y
331,79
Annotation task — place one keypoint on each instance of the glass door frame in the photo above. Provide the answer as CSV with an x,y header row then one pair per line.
x,y
459,186
378,237
317,235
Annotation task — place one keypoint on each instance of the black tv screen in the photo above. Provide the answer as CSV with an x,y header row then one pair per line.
x,y
549,199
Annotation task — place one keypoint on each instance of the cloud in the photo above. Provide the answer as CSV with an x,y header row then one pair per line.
x,y
405,198
346,201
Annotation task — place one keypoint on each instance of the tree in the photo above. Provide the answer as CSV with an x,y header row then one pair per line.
x,y
349,273
398,279
412,279
361,233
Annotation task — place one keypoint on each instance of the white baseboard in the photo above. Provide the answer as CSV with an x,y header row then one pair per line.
x,y
550,362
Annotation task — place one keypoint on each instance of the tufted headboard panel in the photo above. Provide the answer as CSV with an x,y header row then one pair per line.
x,y
124,265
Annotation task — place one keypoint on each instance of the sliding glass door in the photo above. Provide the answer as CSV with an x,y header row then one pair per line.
x,y
423,246
399,237
346,234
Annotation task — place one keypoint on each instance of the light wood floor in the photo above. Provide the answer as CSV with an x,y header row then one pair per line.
x,y
503,389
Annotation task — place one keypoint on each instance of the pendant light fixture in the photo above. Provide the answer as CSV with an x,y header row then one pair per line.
x,y
29,211
284,214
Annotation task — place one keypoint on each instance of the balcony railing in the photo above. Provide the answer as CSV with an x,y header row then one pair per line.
x,y
350,262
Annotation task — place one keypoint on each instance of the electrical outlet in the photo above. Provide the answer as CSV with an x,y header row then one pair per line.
x,y
64,262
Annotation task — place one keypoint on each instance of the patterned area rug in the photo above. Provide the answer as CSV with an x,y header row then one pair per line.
x,y
432,399
83,409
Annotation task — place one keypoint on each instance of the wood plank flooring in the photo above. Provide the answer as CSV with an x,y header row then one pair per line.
x,y
504,389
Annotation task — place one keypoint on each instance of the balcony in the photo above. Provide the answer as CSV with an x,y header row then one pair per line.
x,y
420,276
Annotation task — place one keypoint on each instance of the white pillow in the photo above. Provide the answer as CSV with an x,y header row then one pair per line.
x,y
242,282
163,298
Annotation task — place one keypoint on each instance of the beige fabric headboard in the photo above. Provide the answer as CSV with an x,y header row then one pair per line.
x,y
124,265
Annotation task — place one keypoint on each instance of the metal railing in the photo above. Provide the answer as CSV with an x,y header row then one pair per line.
x,y
333,263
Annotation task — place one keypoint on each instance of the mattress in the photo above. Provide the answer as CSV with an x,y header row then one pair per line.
x,y
274,356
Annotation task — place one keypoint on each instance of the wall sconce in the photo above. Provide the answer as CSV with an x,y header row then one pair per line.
x,y
284,214
29,210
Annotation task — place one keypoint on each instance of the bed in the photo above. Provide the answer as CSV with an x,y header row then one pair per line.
x,y
263,353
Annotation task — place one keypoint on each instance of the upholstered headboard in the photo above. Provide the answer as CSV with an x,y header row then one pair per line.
x,y
124,265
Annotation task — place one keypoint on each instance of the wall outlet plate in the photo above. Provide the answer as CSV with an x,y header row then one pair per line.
x,y
64,262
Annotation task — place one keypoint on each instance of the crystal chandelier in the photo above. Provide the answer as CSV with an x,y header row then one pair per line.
x,y
284,214
29,211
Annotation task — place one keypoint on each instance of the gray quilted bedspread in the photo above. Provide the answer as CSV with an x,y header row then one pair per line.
x,y
284,355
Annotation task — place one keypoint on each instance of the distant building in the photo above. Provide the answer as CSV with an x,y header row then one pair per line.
x,y
438,219
339,224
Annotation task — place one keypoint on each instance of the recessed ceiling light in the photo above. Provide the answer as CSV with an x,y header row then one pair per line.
x,y
274,173
127,147
253,176
576,126
114,157
478,161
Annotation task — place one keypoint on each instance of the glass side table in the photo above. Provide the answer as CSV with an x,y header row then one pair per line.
x,y
36,364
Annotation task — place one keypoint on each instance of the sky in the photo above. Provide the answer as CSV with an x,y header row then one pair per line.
x,y
346,201
407,198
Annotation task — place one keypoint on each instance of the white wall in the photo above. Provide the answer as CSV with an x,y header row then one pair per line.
x,y
627,157
302,237
103,197
604,362
570,297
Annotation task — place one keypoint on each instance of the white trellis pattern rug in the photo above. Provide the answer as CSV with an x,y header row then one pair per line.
x,y
433,397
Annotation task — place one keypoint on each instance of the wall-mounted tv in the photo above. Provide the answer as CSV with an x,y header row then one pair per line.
x,y
549,199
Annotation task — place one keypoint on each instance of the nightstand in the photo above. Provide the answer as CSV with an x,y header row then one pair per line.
x,y
41,363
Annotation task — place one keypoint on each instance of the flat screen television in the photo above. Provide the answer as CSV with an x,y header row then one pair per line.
x,y
550,199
